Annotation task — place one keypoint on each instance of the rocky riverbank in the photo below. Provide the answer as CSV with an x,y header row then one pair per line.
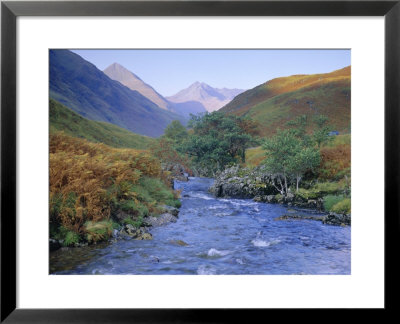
x,y
129,231
257,184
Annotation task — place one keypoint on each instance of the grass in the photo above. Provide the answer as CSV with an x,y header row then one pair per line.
x,y
64,119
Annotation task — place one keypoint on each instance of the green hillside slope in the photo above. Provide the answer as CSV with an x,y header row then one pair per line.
x,y
64,119
86,90
277,101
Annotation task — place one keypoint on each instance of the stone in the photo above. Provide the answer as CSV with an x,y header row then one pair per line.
x,y
54,245
171,210
178,242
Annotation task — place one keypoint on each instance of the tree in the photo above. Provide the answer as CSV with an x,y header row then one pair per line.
x,y
176,132
216,140
321,133
307,158
291,152
281,151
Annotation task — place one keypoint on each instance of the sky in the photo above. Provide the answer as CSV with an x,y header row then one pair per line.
x,y
169,71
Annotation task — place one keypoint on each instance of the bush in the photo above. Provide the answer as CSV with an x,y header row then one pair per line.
x,y
71,238
98,231
331,200
306,194
91,183
328,187
174,203
342,207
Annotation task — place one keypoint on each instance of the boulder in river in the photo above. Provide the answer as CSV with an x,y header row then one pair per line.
x,y
236,182
160,220
330,219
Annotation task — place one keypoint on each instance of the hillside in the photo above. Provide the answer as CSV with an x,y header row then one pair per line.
x,y
279,100
86,90
64,119
210,98
119,73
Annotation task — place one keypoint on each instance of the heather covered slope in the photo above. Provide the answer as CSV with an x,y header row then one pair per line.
x,y
64,119
277,101
80,86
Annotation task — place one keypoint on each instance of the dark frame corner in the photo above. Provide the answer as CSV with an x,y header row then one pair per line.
x,y
10,10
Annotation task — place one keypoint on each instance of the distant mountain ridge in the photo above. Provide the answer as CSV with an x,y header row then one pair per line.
x,y
275,102
119,73
82,87
211,98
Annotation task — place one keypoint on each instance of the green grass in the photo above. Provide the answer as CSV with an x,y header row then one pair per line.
x,y
64,119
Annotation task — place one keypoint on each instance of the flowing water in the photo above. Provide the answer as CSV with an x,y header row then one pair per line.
x,y
223,236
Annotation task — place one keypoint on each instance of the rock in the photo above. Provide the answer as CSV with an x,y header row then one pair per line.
x,y
337,219
300,217
289,197
178,242
145,236
236,182
171,210
160,220
54,245
270,198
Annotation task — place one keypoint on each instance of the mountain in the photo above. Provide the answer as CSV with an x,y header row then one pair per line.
x,y
64,119
118,73
82,87
211,98
279,100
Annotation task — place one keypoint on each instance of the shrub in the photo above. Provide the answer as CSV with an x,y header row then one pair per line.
x,y
174,203
306,194
98,231
331,200
81,175
91,182
342,207
71,238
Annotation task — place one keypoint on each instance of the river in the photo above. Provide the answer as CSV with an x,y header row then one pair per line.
x,y
223,236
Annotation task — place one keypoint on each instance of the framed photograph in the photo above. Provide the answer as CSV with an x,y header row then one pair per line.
x,y
180,160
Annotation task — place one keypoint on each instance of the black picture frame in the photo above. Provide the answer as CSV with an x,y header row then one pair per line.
x,y
10,10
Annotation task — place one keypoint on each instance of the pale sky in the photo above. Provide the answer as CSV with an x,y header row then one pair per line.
x,y
169,71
